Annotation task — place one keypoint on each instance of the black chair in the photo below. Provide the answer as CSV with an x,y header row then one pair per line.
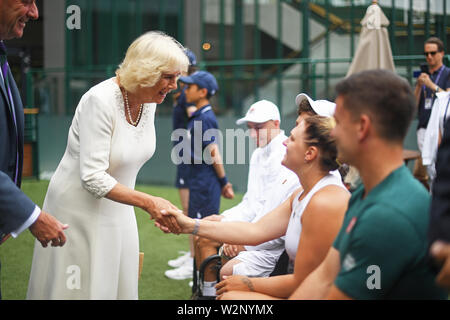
x,y
280,268
197,286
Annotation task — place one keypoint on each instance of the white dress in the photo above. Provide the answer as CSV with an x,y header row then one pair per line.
x,y
100,259
294,229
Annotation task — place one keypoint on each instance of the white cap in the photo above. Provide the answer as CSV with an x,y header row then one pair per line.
x,y
323,108
261,111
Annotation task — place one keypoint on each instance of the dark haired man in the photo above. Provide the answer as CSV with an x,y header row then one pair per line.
x,y
427,85
381,249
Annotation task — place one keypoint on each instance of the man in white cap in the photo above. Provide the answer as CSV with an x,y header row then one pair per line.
x,y
269,184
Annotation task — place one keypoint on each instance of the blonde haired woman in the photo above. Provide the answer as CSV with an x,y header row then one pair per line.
x,y
112,135
310,219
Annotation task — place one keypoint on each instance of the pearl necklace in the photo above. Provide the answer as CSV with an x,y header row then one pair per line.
x,y
134,123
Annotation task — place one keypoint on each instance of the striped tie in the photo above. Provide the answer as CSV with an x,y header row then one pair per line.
x,y
5,67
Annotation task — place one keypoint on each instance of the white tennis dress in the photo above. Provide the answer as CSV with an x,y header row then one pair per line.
x,y
294,228
100,259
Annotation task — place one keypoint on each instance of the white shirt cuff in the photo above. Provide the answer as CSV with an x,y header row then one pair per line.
x,y
29,222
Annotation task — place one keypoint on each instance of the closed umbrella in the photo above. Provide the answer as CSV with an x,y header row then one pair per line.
x,y
374,50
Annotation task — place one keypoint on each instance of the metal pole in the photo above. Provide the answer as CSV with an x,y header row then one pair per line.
x,y
305,45
257,50
238,31
392,27
222,49
279,51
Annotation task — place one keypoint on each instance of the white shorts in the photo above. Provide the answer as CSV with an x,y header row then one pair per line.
x,y
256,263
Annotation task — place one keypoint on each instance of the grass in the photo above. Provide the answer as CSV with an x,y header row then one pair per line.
x,y
16,254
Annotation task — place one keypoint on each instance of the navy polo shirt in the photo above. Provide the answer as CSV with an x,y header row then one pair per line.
x,y
203,130
440,77
204,186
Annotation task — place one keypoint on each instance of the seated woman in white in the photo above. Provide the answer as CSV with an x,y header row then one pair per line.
x,y
310,218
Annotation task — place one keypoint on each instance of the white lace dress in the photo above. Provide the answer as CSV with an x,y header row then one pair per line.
x,y
100,259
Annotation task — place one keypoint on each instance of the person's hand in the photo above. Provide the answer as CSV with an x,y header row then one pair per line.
x,y
46,228
232,283
232,250
425,80
441,252
227,191
184,223
165,223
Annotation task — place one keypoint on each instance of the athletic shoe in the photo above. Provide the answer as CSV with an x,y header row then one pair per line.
x,y
181,273
191,284
181,260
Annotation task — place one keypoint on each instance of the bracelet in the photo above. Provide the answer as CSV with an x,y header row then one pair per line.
x,y
196,226
223,181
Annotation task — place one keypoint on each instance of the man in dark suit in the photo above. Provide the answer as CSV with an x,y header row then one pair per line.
x,y
17,211
439,232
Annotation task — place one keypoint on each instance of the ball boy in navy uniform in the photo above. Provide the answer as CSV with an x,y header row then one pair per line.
x,y
207,175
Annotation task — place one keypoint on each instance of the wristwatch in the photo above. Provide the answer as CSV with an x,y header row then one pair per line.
x,y
437,89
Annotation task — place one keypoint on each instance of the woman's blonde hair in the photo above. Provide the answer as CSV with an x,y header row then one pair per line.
x,y
150,55
318,133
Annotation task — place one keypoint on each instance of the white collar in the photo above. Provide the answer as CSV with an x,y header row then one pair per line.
x,y
274,143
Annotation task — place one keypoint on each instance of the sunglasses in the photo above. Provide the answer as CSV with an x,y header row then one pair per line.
x,y
430,52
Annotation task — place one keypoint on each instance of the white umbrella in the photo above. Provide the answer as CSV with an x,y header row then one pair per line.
x,y
374,50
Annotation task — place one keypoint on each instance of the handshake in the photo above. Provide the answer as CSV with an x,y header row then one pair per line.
x,y
169,218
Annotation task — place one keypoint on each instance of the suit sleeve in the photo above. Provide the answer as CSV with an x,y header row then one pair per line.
x,y
15,206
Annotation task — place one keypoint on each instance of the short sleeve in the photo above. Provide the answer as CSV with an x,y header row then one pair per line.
x,y
211,133
96,124
382,244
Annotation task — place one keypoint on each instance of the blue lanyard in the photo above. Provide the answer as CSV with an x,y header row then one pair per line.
x,y
435,81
